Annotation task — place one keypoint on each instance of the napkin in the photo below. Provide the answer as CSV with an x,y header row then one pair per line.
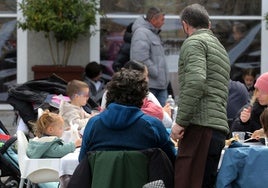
x,y
236,144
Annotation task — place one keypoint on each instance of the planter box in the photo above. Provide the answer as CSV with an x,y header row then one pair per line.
x,y
68,73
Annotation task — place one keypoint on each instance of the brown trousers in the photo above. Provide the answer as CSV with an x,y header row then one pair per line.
x,y
198,157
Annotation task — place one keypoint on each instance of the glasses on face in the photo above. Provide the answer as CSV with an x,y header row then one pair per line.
x,y
83,94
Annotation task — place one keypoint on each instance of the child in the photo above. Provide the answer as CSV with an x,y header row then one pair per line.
x,y
73,112
249,77
93,77
47,143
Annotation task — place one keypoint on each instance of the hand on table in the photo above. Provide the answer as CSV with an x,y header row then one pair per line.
x,y
258,134
78,142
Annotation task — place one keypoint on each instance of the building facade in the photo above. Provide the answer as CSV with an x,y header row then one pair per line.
x,y
239,25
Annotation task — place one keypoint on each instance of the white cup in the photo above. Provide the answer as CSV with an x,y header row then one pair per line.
x,y
241,135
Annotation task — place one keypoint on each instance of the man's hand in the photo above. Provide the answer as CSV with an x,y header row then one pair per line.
x,y
177,132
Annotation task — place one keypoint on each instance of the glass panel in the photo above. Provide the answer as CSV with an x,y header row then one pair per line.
x,y
242,39
244,48
8,56
111,39
8,6
112,32
174,7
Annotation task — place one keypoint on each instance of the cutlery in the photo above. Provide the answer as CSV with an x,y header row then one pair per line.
x,y
249,139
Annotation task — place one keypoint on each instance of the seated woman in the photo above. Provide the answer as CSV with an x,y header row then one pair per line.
x,y
151,105
249,117
122,125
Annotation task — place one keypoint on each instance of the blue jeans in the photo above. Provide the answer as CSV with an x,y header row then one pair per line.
x,y
160,94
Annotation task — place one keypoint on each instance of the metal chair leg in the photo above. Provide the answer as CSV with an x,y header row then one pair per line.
x,y
21,183
29,184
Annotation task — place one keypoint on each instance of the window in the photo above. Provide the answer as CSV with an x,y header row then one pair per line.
x,y
8,47
237,24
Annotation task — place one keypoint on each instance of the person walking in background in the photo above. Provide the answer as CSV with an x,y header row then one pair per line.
x,y
123,55
201,123
146,47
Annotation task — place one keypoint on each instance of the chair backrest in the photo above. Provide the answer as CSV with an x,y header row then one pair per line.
x,y
130,168
122,169
22,147
36,170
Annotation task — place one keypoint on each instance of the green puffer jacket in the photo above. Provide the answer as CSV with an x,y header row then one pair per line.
x,y
204,70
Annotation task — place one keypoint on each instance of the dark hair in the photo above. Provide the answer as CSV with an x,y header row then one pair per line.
x,y
135,65
127,87
152,12
129,27
240,27
264,120
196,16
93,69
249,72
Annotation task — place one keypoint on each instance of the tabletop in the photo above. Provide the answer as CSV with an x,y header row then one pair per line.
x,y
68,163
244,167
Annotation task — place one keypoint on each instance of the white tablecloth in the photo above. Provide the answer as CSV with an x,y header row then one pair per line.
x,y
68,163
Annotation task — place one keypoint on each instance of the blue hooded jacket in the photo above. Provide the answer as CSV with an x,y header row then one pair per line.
x,y
121,127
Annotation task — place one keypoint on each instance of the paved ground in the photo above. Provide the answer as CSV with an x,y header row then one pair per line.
x,y
8,119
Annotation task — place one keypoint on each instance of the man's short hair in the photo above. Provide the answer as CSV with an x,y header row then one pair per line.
x,y
196,16
152,12
93,69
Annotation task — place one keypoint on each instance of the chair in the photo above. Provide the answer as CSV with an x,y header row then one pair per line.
x,y
35,170
120,169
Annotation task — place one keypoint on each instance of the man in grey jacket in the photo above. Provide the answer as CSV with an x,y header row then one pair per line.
x,y
146,47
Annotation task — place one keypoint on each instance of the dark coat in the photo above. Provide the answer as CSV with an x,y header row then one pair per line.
x,y
123,55
159,167
253,123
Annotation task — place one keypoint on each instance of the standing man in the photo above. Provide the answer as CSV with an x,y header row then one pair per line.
x,y
201,124
146,47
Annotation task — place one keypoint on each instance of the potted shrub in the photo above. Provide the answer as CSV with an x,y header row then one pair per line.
x,y
62,22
